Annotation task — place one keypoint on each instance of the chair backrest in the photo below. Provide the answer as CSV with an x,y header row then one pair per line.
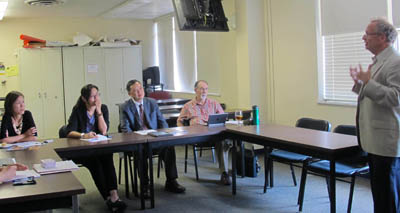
x,y
310,123
119,128
62,132
358,158
160,95
346,129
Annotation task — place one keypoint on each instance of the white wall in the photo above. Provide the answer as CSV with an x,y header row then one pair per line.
x,y
291,88
64,29
295,65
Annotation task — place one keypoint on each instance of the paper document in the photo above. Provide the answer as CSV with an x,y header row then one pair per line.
x,y
98,138
25,174
7,161
61,166
20,146
232,122
145,132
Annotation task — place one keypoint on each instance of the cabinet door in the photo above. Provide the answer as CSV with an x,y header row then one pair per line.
x,y
74,77
53,101
94,69
113,61
31,84
132,66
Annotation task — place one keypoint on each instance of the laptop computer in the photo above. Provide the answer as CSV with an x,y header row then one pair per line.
x,y
217,119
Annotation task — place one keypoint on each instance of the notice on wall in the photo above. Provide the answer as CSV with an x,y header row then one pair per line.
x,y
2,69
12,71
92,68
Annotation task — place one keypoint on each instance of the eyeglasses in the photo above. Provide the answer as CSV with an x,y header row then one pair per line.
x,y
371,34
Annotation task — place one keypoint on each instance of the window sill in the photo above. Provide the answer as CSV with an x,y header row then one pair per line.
x,y
337,103
192,93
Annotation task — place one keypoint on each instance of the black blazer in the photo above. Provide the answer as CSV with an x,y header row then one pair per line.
x,y
78,120
6,124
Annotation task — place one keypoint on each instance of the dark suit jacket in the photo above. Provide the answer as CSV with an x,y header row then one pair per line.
x,y
130,120
78,120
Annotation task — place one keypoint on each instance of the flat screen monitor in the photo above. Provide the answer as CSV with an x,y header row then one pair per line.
x,y
200,15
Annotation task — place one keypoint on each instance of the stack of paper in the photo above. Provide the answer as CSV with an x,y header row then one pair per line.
x,y
20,146
61,166
145,132
7,161
25,174
98,138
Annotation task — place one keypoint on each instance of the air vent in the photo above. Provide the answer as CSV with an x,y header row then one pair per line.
x,y
44,2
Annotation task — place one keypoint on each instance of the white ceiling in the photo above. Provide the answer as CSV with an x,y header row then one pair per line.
x,y
133,9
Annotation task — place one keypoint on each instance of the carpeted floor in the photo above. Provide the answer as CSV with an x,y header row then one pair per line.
x,y
206,195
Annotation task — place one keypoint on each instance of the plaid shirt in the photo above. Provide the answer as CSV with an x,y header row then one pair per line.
x,y
197,112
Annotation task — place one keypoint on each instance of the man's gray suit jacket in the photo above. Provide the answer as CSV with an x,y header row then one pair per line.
x,y
378,106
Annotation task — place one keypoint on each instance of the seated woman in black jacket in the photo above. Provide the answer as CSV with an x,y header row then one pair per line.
x,y
17,124
88,118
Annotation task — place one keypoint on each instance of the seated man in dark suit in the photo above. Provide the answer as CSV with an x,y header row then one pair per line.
x,y
139,113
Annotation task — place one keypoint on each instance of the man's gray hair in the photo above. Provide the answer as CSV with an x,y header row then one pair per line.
x,y
197,83
386,28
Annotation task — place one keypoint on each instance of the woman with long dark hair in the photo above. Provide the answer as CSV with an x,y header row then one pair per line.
x,y
17,124
89,117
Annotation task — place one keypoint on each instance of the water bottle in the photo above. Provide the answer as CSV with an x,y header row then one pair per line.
x,y
256,115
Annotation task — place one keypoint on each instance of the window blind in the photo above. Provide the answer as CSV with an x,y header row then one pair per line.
x,y
165,51
339,53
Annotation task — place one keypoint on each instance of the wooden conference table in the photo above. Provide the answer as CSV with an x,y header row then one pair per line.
x,y
324,145
69,148
319,144
50,191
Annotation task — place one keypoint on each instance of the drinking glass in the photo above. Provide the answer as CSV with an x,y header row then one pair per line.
x,y
239,117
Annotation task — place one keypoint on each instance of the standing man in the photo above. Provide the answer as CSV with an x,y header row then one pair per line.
x,y
198,110
139,113
378,114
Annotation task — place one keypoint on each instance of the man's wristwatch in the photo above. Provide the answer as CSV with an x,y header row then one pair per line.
x,y
82,134
99,114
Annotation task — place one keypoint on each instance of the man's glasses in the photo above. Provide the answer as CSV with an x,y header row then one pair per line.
x,y
371,34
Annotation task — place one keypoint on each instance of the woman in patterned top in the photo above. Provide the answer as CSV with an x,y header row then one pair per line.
x,y
17,124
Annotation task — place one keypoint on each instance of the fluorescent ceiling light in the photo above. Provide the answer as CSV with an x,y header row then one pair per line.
x,y
3,7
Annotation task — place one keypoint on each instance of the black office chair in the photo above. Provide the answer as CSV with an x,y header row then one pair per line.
x,y
198,148
133,172
349,167
291,158
62,132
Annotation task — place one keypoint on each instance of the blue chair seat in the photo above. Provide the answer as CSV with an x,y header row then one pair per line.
x,y
342,170
348,167
288,156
